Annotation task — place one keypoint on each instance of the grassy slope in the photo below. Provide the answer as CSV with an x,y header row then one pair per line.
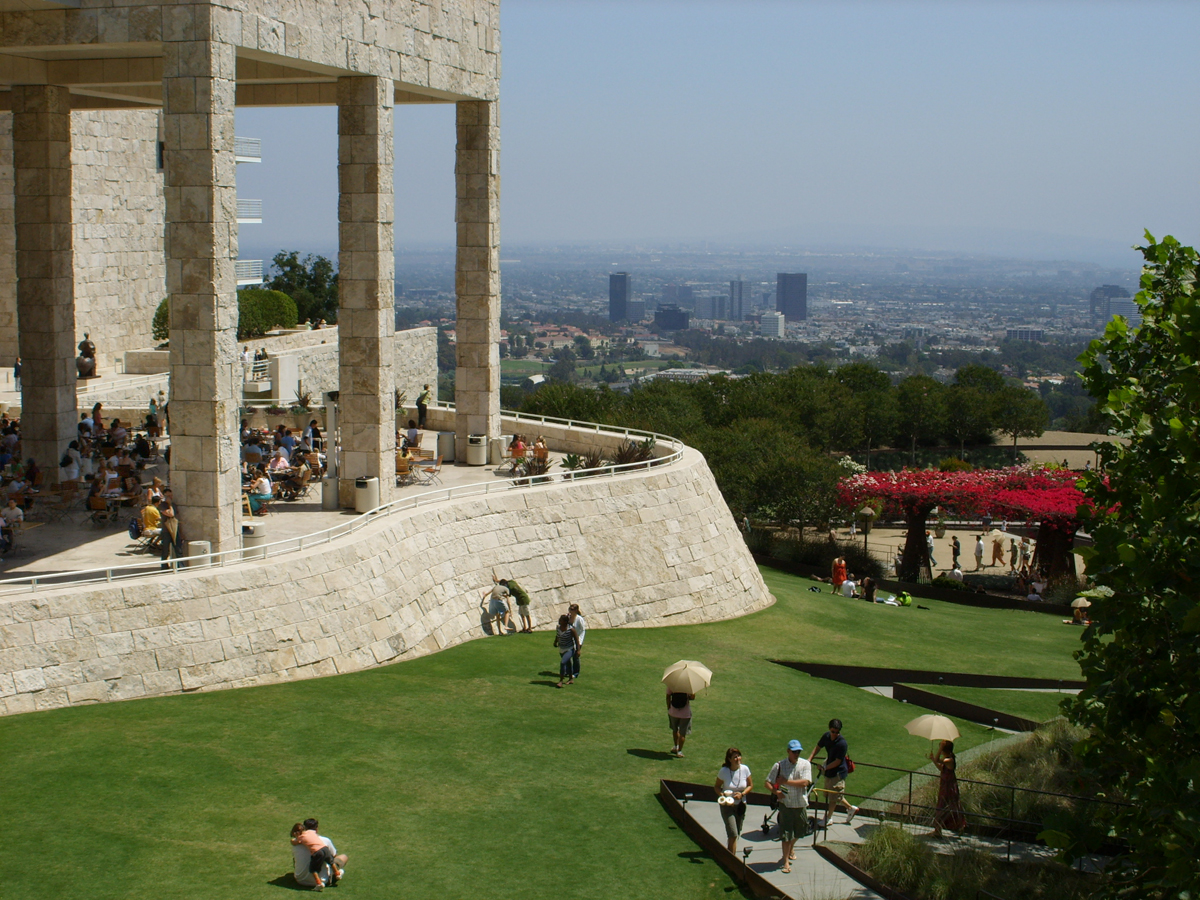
x,y
1038,706
465,772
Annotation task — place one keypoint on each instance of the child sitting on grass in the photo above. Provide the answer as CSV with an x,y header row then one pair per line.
x,y
306,835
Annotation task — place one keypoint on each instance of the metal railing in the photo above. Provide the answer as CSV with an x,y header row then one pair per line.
x,y
108,574
247,149
249,211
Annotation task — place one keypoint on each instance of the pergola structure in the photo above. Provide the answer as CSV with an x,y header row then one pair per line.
x,y
197,61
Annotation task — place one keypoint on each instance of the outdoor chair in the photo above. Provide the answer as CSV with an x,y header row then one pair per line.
x,y
404,474
102,513
431,474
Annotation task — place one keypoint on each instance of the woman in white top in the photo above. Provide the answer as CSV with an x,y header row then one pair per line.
x,y
70,472
734,783
260,491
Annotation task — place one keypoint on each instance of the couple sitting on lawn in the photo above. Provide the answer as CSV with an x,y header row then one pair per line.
x,y
317,861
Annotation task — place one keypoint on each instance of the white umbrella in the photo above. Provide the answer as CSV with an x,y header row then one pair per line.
x,y
1081,603
687,676
932,728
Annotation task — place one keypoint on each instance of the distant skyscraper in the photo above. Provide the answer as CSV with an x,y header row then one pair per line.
x,y
737,300
1125,306
774,324
618,296
670,318
791,295
1100,301
635,310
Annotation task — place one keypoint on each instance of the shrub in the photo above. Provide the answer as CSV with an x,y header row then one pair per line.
x,y
160,326
954,464
821,554
261,310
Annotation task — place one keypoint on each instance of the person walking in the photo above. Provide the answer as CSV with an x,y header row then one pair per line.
x,y
949,812
955,551
423,399
568,645
679,718
929,547
579,626
979,553
998,552
789,781
836,769
17,374
171,539
735,783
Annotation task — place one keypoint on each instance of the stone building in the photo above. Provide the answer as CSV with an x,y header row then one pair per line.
x,y
74,73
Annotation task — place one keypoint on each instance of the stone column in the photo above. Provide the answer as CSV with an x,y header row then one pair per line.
x,y
477,271
199,75
366,285
45,271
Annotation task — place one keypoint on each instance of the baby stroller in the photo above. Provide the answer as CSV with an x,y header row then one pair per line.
x,y
813,800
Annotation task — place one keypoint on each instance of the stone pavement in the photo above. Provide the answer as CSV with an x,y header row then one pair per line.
x,y
74,543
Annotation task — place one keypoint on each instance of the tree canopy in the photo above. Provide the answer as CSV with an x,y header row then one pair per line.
x,y
1141,657
311,282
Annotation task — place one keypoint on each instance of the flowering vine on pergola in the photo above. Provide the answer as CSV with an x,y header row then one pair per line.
x,y
1048,497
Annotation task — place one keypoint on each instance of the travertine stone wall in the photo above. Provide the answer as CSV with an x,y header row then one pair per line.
x,y
45,283
201,240
477,269
8,248
366,284
655,548
119,267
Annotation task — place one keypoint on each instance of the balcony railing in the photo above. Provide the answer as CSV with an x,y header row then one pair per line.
x,y
249,212
248,271
247,150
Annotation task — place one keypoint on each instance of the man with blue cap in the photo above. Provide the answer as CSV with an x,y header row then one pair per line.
x,y
789,781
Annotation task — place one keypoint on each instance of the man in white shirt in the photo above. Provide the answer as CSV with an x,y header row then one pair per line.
x,y
956,573
301,857
579,626
849,586
789,781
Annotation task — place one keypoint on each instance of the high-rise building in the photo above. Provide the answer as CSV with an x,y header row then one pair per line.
x,y
635,310
1127,307
1100,301
1026,333
773,324
738,300
791,295
618,296
670,318
712,308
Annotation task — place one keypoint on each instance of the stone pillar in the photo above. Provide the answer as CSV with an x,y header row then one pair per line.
x,y
45,271
477,270
199,76
366,285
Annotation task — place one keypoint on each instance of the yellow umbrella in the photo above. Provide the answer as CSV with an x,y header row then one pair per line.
x,y
932,728
687,676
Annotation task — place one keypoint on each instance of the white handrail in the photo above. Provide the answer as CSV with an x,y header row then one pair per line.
x,y
306,541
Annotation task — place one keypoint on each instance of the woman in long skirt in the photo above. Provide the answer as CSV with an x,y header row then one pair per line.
x,y
949,813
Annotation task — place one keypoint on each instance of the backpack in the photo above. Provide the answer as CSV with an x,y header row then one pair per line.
x,y
135,528
679,700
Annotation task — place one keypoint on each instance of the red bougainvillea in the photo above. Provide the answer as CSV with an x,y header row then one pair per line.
x,y
1030,494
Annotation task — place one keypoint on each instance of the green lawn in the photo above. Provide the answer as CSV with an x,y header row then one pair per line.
x,y
523,368
1037,706
466,773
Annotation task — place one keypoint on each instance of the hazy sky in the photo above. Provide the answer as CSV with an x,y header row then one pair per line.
x,y
1056,129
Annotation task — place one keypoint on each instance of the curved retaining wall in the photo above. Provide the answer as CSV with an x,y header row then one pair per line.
x,y
652,548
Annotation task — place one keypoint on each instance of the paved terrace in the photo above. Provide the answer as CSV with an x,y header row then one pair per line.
x,y
75,543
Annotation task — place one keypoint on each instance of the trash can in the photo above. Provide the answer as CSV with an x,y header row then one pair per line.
x,y
498,449
476,449
445,446
366,494
253,537
329,493
199,548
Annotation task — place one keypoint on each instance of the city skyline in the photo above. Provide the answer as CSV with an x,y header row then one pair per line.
x,y
1012,129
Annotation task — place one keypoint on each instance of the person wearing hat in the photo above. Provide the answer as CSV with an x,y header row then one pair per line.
x,y
789,781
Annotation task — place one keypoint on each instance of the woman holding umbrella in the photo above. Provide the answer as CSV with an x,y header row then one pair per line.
x,y
682,680
949,812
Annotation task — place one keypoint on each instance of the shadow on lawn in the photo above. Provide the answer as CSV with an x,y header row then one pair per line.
x,y
552,684
648,754
288,882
